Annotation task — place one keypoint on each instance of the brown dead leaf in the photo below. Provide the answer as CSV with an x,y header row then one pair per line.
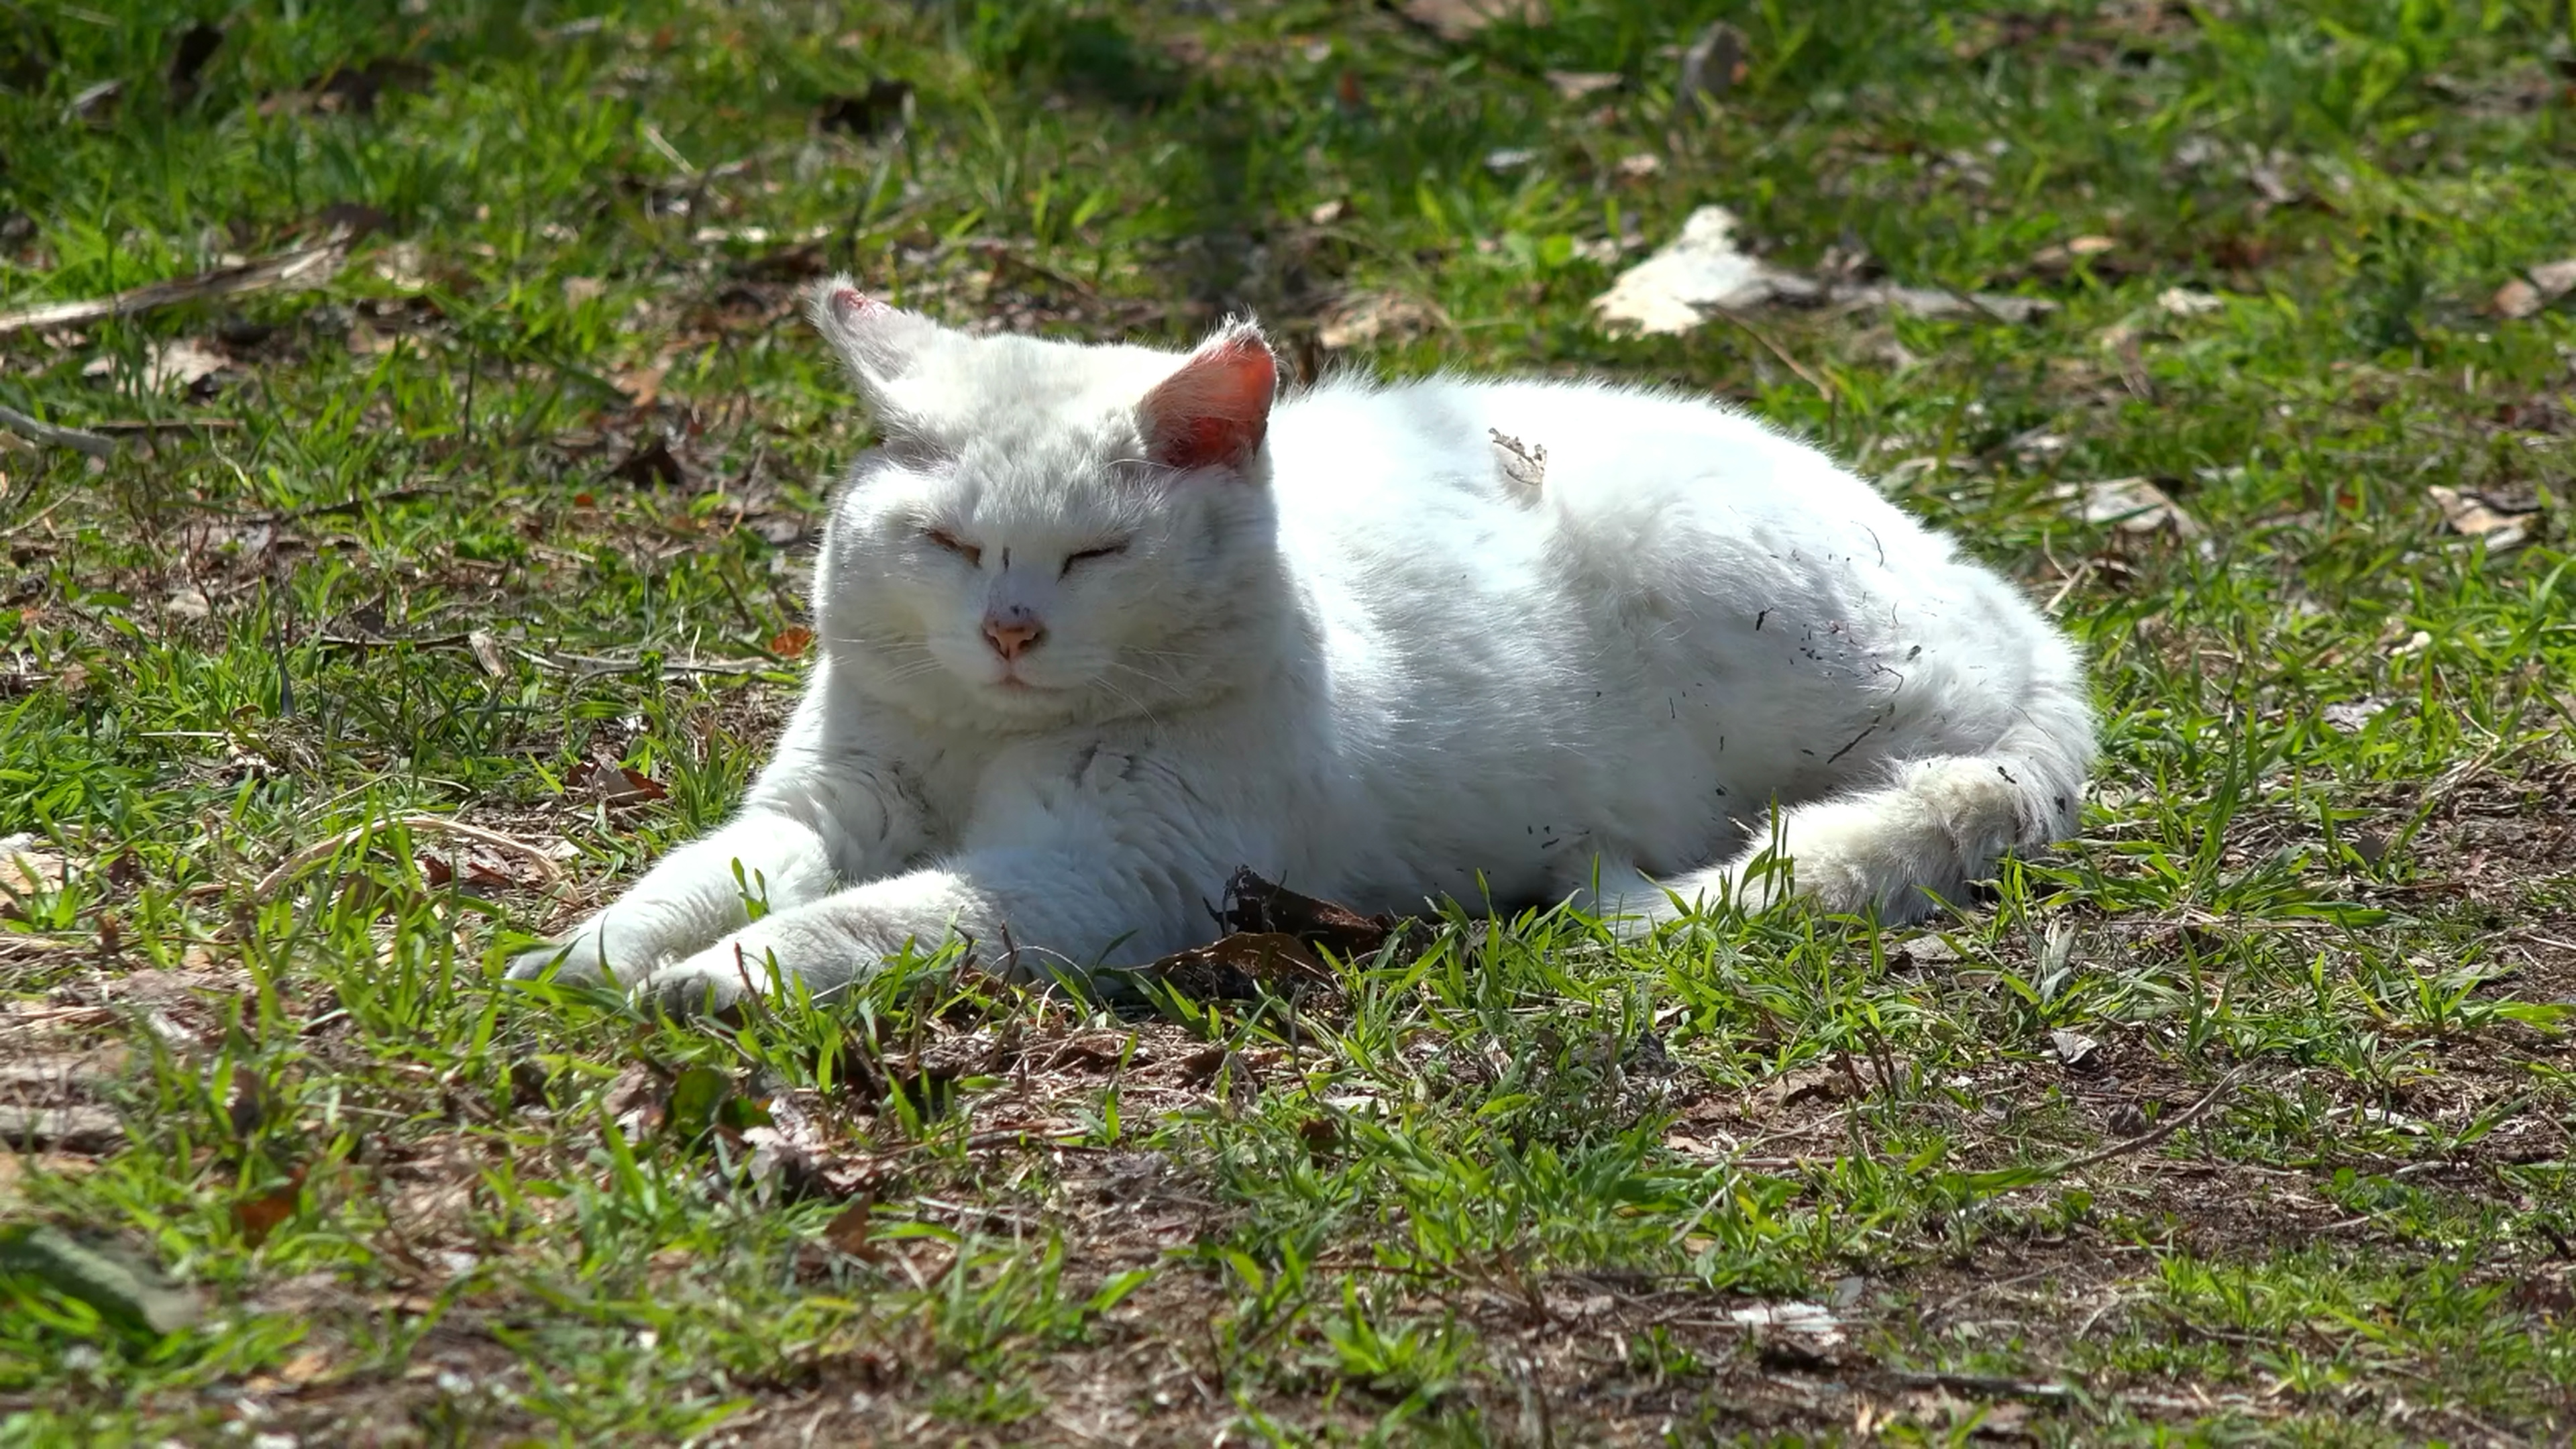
x,y
2525,295
1456,20
1240,966
1800,1085
791,642
259,1216
1256,906
848,1231
642,385
2515,300
613,785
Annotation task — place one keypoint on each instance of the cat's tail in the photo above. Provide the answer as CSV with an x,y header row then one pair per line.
x,y
1921,834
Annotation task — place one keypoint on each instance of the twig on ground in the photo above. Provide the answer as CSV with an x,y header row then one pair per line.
x,y
1823,388
2155,1134
54,434
1991,1384
305,266
312,855
119,426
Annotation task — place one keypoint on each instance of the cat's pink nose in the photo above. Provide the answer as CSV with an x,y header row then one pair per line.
x,y
1013,631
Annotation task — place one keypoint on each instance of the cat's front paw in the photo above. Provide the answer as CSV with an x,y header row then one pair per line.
x,y
599,950
755,963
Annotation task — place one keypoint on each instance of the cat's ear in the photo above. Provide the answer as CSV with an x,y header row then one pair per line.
x,y
1215,411
879,343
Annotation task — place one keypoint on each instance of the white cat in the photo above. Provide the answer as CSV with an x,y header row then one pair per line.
x,y
1100,625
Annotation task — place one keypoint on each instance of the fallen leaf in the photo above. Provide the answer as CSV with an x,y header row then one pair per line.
x,y
1254,906
1700,271
95,104
2515,300
1574,85
1365,317
1712,65
26,869
1326,213
1812,1321
2351,716
791,642
847,1232
2554,279
1522,467
401,265
2183,302
1456,20
1704,271
1638,166
2063,256
259,1216
1926,952
577,290
304,1368
2134,505
167,366
487,652
17,1167
2475,516
2074,1048
1797,1086
621,785
642,385
1239,967
187,602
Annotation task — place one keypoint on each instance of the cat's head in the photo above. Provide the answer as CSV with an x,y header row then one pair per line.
x,y
1048,532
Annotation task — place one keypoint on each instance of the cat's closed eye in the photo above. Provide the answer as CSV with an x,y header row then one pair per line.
x,y
1106,550
951,542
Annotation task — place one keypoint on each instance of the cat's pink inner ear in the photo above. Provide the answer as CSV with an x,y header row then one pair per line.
x,y
1214,412
852,303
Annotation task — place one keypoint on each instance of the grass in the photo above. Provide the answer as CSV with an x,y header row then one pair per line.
x,y
507,524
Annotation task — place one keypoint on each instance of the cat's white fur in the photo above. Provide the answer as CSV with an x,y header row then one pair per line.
x,y
1372,653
